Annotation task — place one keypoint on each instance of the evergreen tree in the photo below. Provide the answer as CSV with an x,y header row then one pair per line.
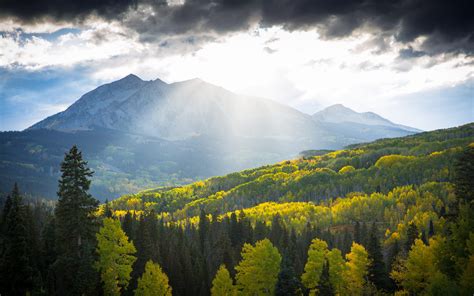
x,y
423,237
16,272
107,210
357,234
324,286
203,228
276,231
6,209
48,252
144,245
346,242
115,257
464,175
75,227
364,234
235,230
393,253
288,283
377,271
153,282
127,225
260,231
412,235
431,230
222,284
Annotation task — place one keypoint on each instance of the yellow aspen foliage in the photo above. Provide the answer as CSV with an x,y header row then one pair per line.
x,y
154,282
314,266
356,270
257,273
222,284
346,169
115,257
417,272
337,268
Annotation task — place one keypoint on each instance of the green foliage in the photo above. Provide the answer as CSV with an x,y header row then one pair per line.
x,y
288,283
153,282
16,270
405,187
377,272
325,286
75,226
314,266
380,166
337,269
257,273
346,169
115,257
356,270
464,177
222,284
417,273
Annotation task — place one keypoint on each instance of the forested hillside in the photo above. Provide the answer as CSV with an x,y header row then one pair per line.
x,y
379,166
394,216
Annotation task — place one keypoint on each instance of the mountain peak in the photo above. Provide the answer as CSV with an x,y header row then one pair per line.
x,y
339,113
131,77
338,107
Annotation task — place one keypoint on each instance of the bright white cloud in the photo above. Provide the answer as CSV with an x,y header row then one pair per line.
x,y
309,68
297,68
101,42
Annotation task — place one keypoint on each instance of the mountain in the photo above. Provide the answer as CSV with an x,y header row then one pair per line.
x,y
138,134
191,108
180,111
340,114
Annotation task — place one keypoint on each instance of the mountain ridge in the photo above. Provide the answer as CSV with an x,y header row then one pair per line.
x,y
339,113
116,104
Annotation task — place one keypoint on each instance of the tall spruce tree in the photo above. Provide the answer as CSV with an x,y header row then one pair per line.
x,y
107,210
6,209
357,234
377,271
16,272
288,283
76,226
127,225
412,235
325,288
464,175
431,230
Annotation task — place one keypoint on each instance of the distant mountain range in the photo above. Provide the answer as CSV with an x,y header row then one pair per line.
x,y
340,114
138,134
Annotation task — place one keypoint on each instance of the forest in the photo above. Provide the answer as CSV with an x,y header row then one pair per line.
x,y
390,217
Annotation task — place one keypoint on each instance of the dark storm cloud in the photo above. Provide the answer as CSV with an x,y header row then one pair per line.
x,y
29,11
447,24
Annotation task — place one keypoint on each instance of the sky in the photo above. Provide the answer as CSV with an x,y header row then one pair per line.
x,y
411,61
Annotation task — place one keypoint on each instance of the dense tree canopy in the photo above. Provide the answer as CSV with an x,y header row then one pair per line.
x,y
392,216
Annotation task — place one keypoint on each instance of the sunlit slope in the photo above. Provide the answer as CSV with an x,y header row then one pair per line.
x,y
380,166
